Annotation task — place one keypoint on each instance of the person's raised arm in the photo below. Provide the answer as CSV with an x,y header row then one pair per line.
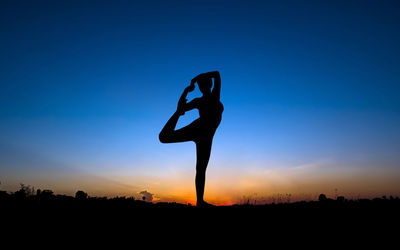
x,y
182,105
192,104
217,83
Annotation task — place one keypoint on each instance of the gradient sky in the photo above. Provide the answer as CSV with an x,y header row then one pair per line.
x,y
310,89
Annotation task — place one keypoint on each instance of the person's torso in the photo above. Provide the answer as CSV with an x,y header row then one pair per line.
x,y
210,110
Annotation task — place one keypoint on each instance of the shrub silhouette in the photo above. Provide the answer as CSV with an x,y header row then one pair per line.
x,y
80,195
322,198
24,191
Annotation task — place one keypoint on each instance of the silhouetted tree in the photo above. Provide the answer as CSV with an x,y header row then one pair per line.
x,y
24,191
80,195
322,197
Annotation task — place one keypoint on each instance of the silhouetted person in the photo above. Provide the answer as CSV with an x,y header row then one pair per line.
x,y
202,130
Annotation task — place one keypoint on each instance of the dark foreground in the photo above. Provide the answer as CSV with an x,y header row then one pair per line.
x,y
58,209
66,218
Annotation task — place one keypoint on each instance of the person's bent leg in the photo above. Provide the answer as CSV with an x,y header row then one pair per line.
x,y
169,135
166,133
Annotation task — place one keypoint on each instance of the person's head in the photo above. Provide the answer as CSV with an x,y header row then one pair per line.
x,y
205,84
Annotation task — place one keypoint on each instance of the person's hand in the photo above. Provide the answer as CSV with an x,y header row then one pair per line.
x,y
190,88
199,76
181,106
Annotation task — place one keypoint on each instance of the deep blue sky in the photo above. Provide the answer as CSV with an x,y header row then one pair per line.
x,y
85,87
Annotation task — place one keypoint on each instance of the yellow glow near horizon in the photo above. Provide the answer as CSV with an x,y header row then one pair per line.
x,y
230,188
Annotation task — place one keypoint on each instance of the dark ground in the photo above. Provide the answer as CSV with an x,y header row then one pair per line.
x,y
45,204
59,214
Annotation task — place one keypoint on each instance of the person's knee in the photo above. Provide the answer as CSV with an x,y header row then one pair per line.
x,y
163,137
201,170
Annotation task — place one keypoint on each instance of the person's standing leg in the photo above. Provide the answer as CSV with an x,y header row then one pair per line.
x,y
203,151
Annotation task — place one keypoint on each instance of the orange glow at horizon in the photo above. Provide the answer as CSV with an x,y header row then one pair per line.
x,y
233,188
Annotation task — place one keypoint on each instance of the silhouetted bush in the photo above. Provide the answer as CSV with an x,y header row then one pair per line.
x,y
340,199
80,195
24,191
322,198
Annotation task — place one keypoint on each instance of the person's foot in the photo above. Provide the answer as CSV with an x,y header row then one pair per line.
x,y
204,204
